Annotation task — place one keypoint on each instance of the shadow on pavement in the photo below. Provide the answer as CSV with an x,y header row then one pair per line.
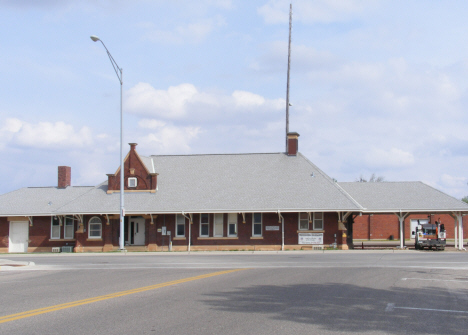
x,y
350,308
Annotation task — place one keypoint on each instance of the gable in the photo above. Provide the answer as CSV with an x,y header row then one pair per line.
x,y
137,176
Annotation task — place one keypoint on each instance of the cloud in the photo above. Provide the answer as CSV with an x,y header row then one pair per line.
x,y
144,99
306,11
303,57
451,181
393,158
185,101
43,135
193,32
166,138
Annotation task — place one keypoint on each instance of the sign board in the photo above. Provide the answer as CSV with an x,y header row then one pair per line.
x,y
164,230
271,227
159,230
310,238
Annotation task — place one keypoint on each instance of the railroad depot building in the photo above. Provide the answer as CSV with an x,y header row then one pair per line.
x,y
270,201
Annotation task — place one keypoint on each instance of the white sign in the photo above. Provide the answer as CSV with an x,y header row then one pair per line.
x,y
271,227
163,230
310,238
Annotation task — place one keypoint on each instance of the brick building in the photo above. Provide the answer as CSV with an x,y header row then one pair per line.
x,y
273,201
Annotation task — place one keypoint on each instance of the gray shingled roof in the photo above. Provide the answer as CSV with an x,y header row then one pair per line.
x,y
225,183
405,196
199,183
233,183
38,201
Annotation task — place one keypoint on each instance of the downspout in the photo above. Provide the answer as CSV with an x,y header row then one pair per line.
x,y
282,230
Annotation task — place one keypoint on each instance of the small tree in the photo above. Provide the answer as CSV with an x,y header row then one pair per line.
x,y
373,179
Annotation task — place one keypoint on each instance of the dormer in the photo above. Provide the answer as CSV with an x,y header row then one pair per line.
x,y
138,177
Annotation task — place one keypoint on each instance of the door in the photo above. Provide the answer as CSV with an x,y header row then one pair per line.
x,y
19,236
136,231
413,224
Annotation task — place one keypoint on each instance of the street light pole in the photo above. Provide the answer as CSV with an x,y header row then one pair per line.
x,y
118,72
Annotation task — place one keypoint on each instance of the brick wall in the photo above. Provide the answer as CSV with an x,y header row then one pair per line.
x,y
381,226
4,231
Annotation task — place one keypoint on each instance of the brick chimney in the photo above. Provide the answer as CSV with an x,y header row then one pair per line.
x,y
293,144
64,176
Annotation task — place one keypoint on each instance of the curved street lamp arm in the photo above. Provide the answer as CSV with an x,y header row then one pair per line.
x,y
117,69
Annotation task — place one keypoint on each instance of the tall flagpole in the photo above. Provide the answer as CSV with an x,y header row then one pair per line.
x,y
287,84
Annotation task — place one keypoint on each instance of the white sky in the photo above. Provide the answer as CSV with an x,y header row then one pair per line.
x,y
376,86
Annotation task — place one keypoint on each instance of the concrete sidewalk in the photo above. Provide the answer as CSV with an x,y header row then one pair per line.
x,y
6,263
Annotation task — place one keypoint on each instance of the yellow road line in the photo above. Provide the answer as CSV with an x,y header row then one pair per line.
x,y
49,309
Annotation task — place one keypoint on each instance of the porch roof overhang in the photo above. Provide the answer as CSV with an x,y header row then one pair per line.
x,y
402,197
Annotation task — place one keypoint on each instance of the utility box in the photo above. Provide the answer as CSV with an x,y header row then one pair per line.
x,y
67,249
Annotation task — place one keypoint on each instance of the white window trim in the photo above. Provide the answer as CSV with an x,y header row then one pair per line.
x,y
51,229
232,222
177,224
72,229
261,225
200,233
89,230
299,221
323,221
222,225
132,179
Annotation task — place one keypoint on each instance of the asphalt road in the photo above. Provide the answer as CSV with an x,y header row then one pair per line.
x,y
403,292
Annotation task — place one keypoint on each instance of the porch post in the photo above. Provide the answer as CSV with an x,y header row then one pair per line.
x,y
401,218
460,231
456,230
402,236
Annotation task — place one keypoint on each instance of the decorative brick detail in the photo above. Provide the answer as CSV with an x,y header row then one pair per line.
x,y
134,168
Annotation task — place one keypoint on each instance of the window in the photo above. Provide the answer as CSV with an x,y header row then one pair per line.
x,y
55,228
232,224
318,221
257,224
95,228
180,225
303,221
218,225
204,225
132,182
68,229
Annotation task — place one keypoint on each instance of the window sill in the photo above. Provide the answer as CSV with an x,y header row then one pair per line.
x,y
218,238
256,238
311,231
179,238
94,239
62,240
